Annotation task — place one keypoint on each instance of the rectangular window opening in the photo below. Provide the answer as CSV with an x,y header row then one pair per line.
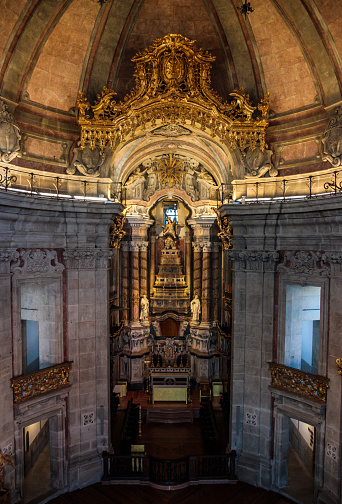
x,y
302,327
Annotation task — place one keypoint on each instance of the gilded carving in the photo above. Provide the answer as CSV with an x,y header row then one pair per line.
x,y
9,135
42,381
339,365
226,232
299,382
332,140
37,261
116,231
173,87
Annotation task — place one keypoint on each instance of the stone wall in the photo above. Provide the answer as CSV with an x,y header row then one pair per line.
x,y
42,239
275,244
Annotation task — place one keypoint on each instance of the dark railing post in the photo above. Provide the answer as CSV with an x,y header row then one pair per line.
x,y
105,463
57,187
232,456
6,178
310,186
284,188
31,182
335,181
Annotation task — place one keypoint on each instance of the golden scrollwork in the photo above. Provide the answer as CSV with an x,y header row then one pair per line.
x,y
226,232
339,365
116,231
299,382
173,86
40,382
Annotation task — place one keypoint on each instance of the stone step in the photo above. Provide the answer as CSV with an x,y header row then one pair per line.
x,y
168,415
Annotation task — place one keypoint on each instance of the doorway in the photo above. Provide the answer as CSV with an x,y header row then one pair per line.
x,y
39,460
301,461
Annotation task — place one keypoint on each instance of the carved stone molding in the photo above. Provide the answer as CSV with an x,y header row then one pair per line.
x,y
87,258
299,382
6,257
306,262
254,260
258,163
9,135
37,261
87,161
187,174
332,140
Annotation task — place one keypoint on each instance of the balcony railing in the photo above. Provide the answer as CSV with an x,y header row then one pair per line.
x,y
46,184
40,382
299,382
322,183
169,472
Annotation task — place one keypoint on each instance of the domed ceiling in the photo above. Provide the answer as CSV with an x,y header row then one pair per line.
x,y
51,49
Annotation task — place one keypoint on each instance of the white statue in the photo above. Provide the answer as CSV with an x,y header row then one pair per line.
x,y
195,306
145,308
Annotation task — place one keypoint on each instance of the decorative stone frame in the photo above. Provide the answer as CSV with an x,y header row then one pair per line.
x,y
38,279
287,406
52,407
323,283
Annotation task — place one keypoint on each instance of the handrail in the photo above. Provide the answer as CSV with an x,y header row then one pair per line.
x,y
169,472
250,190
58,186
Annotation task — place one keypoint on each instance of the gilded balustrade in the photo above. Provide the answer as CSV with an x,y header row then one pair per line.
x,y
299,382
40,382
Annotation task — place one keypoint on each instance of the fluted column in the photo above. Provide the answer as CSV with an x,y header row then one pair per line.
x,y
143,268
215,281
134,272
206,294
125,280
197,269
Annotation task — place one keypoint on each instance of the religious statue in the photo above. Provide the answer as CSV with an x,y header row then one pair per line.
x,y
195,306
145,308
170,228
4,459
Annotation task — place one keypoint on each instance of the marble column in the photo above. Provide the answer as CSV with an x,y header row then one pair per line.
x,y
197,269
135,284
215,281
143,268
125,280
206,283
187,261
152,262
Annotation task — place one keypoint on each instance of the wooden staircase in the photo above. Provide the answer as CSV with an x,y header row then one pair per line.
x,y
169,415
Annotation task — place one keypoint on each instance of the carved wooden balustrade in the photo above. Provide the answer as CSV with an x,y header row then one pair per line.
x,y
169,472
299,382
40,382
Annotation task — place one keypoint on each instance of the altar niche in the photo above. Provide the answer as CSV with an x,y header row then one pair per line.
x,y
170,289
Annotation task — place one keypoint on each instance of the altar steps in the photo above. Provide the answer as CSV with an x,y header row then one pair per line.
x,y
168,415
